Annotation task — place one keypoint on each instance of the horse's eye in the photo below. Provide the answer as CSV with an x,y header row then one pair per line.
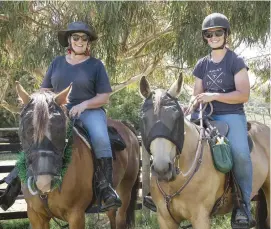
x,y
51,106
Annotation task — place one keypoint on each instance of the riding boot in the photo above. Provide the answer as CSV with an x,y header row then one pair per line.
x,y
148,203
8,197
109,196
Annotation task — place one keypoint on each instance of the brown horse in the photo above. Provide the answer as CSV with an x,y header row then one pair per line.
x,y
42,131
193,196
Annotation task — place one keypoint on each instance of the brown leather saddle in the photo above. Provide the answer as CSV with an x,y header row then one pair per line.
x,y
223,129
116,141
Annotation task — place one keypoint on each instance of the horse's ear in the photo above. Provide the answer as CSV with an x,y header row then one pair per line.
x,y
176,87
22,93
145,89
62,97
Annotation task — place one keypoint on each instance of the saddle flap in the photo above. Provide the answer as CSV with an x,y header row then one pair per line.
x,y
78,124
115,139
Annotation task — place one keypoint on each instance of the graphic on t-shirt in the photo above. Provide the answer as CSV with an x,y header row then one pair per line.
x,y
214,80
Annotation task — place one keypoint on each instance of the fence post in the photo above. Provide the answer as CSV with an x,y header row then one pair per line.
x,y
145,178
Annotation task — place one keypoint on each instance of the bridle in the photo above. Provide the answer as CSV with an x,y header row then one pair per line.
x,y
198,158
68,142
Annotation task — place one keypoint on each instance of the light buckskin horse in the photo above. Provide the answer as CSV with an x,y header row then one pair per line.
x,y
197,196
43,123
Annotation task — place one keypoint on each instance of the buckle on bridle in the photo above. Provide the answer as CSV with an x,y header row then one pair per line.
x,y
167,199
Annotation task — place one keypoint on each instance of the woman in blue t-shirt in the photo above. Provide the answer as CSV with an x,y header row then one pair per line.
x,y
222,79
90,91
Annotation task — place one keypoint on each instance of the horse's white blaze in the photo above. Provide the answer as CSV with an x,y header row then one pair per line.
x,y
163,152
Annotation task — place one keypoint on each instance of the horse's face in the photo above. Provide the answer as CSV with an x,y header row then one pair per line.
x,y
162,127
42,132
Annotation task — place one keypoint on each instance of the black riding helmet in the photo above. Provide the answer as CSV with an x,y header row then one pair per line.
x,y
216,20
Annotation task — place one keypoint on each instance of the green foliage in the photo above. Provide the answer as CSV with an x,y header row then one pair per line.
x,y
125,105
261,69
15,224
133,36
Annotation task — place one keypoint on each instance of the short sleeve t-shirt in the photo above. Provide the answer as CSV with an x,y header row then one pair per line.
x,y
219,77
88,79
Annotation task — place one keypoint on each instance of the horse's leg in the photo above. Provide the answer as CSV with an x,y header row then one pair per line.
x,y
200,219
124,191
112,218
266,190
166,223
37,221
76,220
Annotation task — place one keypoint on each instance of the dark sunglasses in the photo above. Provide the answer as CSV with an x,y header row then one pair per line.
x,y
76,37
217,33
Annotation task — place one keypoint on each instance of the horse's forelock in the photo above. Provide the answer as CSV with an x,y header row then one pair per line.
x,y
157,100
40,115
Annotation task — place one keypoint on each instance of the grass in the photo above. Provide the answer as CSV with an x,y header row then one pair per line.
x,y
92,222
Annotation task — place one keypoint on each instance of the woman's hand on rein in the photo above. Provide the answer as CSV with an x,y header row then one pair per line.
x,y
77,110
193,105
206,97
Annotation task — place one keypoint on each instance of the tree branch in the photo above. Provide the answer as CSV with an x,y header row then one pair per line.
x,y
4,17
134,79
149,39
131,58
36,22
10,108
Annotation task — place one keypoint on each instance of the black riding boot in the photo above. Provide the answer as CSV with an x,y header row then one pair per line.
x,y
110,198
8,197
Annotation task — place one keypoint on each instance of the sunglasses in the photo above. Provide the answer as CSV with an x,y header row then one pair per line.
x,y
217,33
76,37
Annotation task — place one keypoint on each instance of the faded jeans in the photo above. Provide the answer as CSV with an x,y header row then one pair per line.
x,y
242,165
95,123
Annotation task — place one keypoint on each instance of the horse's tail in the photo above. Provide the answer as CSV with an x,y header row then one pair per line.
x,y
130,213
261,211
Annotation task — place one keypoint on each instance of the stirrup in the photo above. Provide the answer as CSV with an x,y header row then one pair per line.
x,y
241,219
148,203
114,204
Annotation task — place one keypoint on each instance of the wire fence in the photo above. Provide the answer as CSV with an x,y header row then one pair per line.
x,y
258,113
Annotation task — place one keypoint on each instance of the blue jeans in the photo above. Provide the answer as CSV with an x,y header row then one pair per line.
x,y
95,123
242,165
